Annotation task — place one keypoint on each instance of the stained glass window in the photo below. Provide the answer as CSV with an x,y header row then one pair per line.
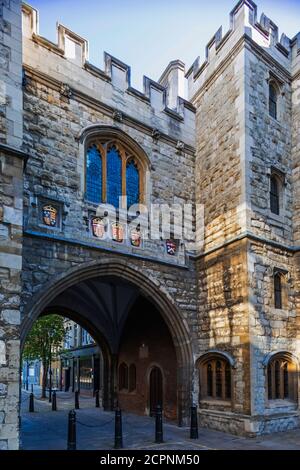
x,y
112,172
114,177
94,175
132,183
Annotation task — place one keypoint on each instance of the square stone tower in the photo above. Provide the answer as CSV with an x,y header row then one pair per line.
x,y
247,177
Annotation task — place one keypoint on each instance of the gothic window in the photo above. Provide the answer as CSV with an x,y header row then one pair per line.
x,y
132,378
113,171
123,376
215,378
273,99
278,290
282,378
275,195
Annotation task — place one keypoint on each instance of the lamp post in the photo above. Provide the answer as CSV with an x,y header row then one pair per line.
x,y
50,378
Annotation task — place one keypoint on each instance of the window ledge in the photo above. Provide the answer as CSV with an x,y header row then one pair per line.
x,y
279,403
215,401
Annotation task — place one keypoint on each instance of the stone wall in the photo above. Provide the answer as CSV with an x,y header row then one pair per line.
x,y
10,289
11,73
11,218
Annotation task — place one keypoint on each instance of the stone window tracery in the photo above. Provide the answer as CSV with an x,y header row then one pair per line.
x,y
215,378
113,171
282,378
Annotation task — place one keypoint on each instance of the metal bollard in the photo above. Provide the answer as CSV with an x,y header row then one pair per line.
x,y
31,403
76,400
194,423
97,399
158,425
118,429
71,430
54,407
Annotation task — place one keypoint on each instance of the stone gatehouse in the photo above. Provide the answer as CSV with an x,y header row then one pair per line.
x,y
216,325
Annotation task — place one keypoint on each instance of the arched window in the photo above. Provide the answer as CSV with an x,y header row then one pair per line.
x,y
282,378
132,377
274,195
277,290
273,98
112,171
94,175
215,378
123,376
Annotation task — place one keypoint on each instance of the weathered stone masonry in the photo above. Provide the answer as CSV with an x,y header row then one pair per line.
x,y
11,218
218,149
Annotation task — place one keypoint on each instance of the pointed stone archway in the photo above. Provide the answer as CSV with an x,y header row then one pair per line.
x,y
98,296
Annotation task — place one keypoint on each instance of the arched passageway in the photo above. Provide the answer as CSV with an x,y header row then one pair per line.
x,y
134,321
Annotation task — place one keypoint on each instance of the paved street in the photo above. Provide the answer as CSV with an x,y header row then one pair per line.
x,y
45,429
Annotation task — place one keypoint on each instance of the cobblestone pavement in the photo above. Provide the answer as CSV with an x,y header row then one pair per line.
x,y
47,430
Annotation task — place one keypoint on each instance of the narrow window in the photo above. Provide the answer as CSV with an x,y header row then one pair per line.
x,y
114,177
209,380
277,290
274,195
94,175
273,100
132,183
219,379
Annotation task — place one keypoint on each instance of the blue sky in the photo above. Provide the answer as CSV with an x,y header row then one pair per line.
x,y
148,34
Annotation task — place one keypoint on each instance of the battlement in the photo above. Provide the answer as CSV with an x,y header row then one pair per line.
x,y
243,20
162,101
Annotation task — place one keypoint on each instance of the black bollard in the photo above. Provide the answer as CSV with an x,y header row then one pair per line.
x,y
76,400
31,403
158,425
118,429
97,399
194,423
72,430
54,407
31,388
26,385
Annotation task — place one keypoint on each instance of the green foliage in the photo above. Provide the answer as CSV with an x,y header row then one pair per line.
x,y
45,337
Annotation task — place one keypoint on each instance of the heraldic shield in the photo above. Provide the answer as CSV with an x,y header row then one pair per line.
x,y
50,215
117,232
135,237
171,246
98,227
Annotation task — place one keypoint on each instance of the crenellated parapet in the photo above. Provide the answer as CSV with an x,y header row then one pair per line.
x,y
245,26
160,105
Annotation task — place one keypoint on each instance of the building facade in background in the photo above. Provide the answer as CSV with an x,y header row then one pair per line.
x,y
215,322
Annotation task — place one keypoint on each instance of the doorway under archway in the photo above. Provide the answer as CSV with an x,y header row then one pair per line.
x,y
107,299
